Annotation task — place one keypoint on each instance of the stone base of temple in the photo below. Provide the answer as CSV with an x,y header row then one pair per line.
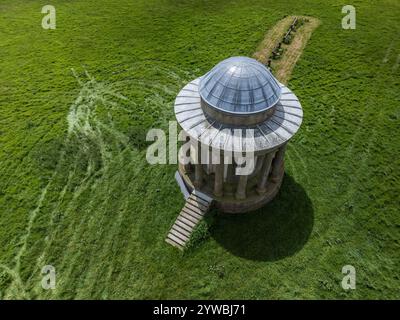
x,y
229,203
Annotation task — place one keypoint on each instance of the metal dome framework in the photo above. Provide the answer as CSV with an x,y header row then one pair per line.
x,y
240,85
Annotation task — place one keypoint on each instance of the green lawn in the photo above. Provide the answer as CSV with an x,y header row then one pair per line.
x,y
77,193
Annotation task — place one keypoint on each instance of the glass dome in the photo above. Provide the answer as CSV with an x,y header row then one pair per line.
x,y
240,85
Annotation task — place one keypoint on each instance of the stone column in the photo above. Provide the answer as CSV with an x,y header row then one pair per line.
x,y
230,173
241,188
277,163
198,175
189,166
219,178
198,169
262,183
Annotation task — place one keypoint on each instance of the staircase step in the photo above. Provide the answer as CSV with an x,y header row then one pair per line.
x,y
175,244
196,206
179,235
193,208
183,226
186,221
176,239
195,215
179,229
189,217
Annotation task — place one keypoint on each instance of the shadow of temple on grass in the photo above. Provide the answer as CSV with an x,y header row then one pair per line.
x,y
278,230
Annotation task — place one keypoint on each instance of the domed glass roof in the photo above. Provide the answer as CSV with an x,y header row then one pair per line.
x,y
240,85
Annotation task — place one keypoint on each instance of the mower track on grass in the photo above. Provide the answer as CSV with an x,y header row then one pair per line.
x,y
87,129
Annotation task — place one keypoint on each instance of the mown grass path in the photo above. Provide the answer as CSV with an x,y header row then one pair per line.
x,y
284,66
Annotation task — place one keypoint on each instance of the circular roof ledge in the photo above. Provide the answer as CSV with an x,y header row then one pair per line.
x,y
271,133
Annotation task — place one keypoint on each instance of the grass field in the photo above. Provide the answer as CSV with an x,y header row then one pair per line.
x,y
77,193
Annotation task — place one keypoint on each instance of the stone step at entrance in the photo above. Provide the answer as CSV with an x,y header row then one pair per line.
x,y
196,206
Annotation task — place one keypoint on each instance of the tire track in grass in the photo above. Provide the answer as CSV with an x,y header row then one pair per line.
x,y
352,187
83,122
32,217
41,260
357,137
17,288
89,230
94,269
16,270
128,258
112,257
73,122
94,230
91,276
125,207
107,157
291,165
300,160
87,181
98,216
69,256
333,216
361,167
111,130
76,231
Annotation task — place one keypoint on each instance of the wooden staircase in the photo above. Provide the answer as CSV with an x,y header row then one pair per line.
x,y
196,206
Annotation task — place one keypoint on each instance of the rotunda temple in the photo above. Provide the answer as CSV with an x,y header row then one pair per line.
x,y
238,95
